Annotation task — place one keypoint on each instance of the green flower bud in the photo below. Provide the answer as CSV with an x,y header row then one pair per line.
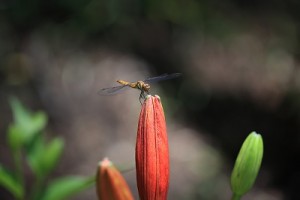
x,y
247,165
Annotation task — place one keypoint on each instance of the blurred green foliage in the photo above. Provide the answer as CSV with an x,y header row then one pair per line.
x,y
92,16
26,139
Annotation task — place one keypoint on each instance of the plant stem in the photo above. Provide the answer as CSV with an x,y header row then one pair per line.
x,y
235,197
37,188
19,172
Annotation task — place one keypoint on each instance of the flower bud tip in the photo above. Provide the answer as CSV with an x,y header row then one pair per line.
x,y
105,162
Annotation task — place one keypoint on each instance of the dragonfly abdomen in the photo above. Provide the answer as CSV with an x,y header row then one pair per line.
x,y
123,82
126,83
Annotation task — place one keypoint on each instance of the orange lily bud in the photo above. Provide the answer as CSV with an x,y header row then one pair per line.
x,y
152,151
110,184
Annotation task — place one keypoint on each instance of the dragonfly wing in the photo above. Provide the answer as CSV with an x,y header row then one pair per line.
x,y
112,90
162,77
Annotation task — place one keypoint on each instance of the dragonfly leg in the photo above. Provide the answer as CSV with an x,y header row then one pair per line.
x,y
143,96
140,99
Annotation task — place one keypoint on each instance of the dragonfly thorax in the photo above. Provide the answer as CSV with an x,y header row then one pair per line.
x,y
141,85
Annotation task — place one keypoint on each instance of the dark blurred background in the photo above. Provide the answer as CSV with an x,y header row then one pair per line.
x,y
240,66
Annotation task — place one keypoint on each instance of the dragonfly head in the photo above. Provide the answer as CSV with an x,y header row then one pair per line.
x,y
146,87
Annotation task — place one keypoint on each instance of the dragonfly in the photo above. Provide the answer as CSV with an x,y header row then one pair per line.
x,y
143,86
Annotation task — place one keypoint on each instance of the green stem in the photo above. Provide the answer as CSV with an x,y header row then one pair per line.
x,y
37,188
235,197
19,171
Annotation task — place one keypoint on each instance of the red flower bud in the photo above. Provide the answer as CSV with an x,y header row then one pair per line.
x,y
152,152
110,184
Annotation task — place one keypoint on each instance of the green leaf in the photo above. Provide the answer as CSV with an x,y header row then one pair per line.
x,y
51,155
8,181
43,158
247,164
29,123
20,113
66,187
34,154
38,122
15,138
